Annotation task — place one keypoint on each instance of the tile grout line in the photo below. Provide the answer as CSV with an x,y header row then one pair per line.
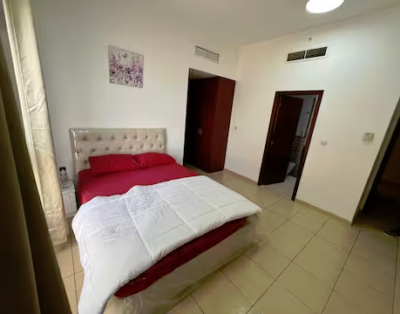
x,y
190,295
270,205
244,254
338,247
291,261
253,305
341,271
395,275
73,267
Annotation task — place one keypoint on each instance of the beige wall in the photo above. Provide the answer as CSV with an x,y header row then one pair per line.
x,y
360,80
73,36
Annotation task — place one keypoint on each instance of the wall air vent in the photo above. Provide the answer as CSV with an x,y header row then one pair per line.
x,y
315,53
212,56
307,54
296,55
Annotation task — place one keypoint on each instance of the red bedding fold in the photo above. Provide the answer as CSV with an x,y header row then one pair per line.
x,y
90,186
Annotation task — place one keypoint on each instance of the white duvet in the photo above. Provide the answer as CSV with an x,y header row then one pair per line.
x,y
121,236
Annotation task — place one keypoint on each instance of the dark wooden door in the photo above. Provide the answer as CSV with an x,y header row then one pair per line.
x,y
207,122
192,124
221,122
205,116
279,143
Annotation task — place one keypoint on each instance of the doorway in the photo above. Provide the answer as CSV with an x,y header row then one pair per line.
x,y
208,115
379,207
292,123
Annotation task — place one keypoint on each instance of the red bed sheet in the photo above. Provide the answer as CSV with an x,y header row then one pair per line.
x,y
180,256
90,186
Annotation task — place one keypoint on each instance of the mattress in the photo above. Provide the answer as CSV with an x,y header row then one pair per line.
x,y
179,257
90,186
171,289
122,236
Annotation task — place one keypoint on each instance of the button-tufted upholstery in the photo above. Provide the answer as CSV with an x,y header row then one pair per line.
x,y
96,142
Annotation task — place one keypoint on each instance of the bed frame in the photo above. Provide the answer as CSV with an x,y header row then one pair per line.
x,y
95,142
174,287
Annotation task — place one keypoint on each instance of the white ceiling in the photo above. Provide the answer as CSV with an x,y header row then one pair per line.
x,y
250,21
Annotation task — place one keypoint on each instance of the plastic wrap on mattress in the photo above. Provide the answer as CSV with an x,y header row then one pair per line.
x,y
164,294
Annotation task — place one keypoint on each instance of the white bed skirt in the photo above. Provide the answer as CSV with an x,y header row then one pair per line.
x,y
167,292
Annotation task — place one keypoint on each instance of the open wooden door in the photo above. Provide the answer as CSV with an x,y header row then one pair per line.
x,y
284,120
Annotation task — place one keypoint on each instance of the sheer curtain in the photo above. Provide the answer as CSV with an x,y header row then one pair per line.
x,y
34,112
30,277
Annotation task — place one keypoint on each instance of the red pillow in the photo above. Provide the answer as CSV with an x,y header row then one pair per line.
x,y
148,160
112,163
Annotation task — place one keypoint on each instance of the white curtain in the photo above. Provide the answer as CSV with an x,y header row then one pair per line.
x,y
35,116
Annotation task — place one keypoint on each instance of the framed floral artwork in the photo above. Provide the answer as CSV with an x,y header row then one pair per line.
x,y
125,67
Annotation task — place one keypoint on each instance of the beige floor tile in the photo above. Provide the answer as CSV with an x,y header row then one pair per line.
x,y
338,233
284,188
397,290
305,287
265,198
254,311
339,305
69,284
372,243
314,214
64,258
363,295
306,222
224,175
79,284
322,259
75,258
219,296
249,278
268,258
377,272
242,186
115,306
286,246
278,300
398,257
290,239
396,308
286,208
269,221
187,306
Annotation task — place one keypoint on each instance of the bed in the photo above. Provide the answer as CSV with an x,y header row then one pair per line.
x,y
172,276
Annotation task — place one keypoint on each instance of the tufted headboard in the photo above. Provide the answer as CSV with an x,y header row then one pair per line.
x,y
96,142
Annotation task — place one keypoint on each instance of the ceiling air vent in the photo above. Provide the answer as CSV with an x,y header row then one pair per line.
x,y
315,53
307,54
296,55
212,56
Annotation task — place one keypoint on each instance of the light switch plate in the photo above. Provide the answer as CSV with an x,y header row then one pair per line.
x,y
368,137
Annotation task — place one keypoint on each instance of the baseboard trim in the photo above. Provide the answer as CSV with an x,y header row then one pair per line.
x,y
299,201
323,211
239,175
